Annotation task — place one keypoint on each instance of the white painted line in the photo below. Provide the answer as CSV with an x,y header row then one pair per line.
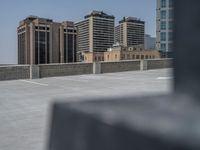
x,y
164,78
68,79
31,82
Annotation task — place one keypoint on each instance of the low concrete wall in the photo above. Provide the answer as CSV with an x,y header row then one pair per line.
x,y
159,63
14,72
108,67
53,70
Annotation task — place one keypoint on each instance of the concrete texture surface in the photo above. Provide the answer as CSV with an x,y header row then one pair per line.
x,y
25,104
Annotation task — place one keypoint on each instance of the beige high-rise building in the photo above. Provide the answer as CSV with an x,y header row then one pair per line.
x,y
95,33
42,41
130,32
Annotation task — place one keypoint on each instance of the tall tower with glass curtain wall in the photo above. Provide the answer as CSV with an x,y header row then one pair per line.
x,y
164,29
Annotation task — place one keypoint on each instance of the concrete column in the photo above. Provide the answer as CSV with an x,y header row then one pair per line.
x,y
61,44
96,68
32,43
34,72
143,65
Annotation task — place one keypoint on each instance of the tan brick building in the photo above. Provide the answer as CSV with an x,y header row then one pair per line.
x,y
42,41
93,56
117,53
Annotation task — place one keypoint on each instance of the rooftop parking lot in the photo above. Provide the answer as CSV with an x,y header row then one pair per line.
x,y
25,104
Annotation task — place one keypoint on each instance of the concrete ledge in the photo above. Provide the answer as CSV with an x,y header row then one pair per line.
x,y
14,72
109,67
159,63
53,70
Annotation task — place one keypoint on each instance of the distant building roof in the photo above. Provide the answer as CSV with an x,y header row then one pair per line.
x,y
102,14
32,18
131,19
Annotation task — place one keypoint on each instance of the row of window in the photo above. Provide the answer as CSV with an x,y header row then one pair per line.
x,y
21,30
164,14
129,56
163,25
42,28
69,30
163,46
164,3
163,36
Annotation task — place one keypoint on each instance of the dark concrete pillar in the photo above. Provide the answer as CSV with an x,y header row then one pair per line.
x,y
187,46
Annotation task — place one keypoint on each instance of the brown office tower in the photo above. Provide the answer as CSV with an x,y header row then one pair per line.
x,y
42,41
130,32
95,33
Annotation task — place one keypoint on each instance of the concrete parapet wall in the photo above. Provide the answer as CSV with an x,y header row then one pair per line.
x,y
108,67
53,70
14,72
159,63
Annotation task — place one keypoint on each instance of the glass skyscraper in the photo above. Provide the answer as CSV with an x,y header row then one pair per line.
x,y
164,29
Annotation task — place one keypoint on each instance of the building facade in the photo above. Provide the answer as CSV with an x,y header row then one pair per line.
x,y
130,32
164,31
120,52
42,41
149,42
95,33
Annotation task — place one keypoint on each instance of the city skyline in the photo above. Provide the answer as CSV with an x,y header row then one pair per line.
x,y
11,15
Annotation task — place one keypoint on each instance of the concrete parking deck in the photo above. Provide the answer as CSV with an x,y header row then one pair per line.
x,y
25,104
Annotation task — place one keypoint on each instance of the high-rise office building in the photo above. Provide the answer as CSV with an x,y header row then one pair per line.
x,y
130,32
149,42
42,41
164,39
95,33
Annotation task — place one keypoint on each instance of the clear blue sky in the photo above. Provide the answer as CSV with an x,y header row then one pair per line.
x,y
12,11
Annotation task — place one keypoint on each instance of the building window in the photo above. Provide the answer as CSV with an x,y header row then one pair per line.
x,y
170,36
108,57
163,14
171,14
170,25
133,56
170,46
115,56
170,3
146,57
163,25
69,30
137,56
142,56
163,47
42,28
163,3
124,56
163,36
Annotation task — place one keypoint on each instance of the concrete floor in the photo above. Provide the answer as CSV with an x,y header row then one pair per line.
x,y
25,104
